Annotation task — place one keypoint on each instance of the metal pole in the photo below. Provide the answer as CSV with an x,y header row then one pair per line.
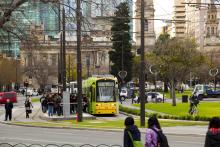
x,y
69,72
142,64
16,76
64,50
79,64
122,53
60,52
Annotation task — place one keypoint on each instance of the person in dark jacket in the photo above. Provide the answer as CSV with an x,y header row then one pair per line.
x,y
8,110
28,105
129,126
213,134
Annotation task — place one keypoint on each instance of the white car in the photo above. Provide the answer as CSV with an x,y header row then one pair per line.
x,y
123,94
151,97
29,92
154,97
35,93
32,92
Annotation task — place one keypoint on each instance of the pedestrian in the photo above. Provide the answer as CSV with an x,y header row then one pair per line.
x,y
194,101
130,128
213,134
132,96
28,105
50,106
151,136
8,110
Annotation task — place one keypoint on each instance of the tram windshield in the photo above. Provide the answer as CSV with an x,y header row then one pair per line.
x,y
105,91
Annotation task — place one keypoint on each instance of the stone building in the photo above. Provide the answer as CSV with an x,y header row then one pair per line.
x,y
41,58
40,55
203,25
149,27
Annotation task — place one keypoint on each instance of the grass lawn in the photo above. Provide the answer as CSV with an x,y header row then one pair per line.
x,y
179,95
205,108
34,100
103,124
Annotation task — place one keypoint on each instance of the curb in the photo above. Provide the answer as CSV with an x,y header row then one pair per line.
x,y
99,129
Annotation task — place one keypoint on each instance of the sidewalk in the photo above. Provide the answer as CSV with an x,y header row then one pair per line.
x,y
38,116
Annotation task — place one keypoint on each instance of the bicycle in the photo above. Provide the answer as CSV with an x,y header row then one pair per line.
x,y
193,110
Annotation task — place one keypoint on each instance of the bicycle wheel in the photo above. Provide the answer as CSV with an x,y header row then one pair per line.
x,y
122,98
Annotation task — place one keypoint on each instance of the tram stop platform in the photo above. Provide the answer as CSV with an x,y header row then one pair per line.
x,y
86,116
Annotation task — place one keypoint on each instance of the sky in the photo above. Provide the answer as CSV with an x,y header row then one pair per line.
x,y
163,10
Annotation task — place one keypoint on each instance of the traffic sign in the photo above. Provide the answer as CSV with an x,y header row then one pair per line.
x,y
213,72
122,74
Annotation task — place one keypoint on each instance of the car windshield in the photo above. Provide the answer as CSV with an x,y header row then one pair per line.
x,y
105,91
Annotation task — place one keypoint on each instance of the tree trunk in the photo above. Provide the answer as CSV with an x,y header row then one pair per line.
x,y
173,95
165,86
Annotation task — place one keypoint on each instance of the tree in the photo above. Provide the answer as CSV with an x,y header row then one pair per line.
x,y
121,55
175,59
10,73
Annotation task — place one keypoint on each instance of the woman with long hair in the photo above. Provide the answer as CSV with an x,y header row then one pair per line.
x,y
151,139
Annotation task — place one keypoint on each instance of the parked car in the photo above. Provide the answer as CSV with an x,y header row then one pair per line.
x,y
123,94
29,92
22,90
154,97
151,97
35,92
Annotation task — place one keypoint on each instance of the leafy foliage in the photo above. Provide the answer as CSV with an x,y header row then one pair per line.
x,y
175,59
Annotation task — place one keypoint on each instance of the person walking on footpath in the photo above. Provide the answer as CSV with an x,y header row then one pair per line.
x,y
28,105
130,130
213,134
154,135
8,110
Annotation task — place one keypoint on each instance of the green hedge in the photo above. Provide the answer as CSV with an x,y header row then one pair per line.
x,y
166,116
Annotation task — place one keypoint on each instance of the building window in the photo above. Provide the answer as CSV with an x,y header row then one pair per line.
x,y
208,31
54,60
213,31
212,16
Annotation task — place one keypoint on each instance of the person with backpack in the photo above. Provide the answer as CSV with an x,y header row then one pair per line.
x,y
154,135
213,134
131,133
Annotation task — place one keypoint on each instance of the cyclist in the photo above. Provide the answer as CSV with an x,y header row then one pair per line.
x,y
194,101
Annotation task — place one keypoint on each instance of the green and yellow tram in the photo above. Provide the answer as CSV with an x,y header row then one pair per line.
x,y
102,94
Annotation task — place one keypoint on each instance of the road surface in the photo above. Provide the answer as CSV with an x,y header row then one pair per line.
x,y
33,135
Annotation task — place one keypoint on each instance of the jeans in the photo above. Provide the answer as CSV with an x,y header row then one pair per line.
x,y
50,110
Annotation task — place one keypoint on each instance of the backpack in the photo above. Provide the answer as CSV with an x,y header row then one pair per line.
x,y
162,139
136,143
